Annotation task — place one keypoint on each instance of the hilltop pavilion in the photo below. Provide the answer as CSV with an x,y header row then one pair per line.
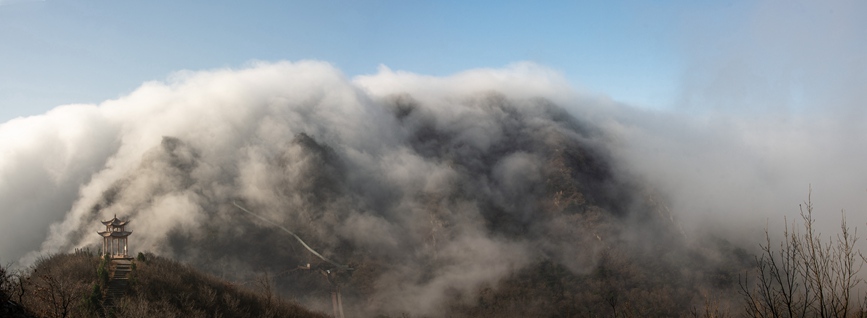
x,y
114,238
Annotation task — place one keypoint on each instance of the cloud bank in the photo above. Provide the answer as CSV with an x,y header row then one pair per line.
x,y
431,186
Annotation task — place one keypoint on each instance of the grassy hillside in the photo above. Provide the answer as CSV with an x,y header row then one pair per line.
x,y
68,285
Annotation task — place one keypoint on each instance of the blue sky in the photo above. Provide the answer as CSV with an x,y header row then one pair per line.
x,y
76,51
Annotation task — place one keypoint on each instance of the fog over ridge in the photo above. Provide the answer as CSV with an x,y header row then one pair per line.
x,y
432,184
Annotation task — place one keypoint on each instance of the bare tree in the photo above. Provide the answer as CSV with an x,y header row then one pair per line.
x,y
5,285
265,283
808,275
55,294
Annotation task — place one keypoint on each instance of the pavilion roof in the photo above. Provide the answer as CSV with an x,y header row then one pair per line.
x,y
115,222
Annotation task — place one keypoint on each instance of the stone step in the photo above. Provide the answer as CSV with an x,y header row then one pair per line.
x,y
117,287
120,272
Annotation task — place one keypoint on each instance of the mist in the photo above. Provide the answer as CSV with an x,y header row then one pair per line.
x,y
779,104
433,186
